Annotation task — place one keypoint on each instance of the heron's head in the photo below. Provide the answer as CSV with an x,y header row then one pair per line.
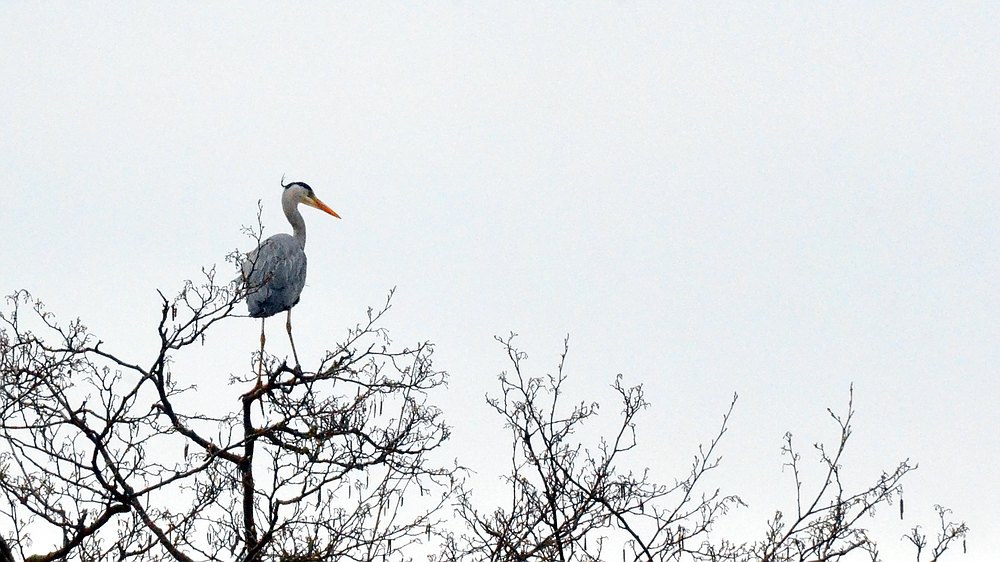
x,y
299,192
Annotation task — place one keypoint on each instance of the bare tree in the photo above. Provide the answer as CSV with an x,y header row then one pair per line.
x,y
102,457
100,460
568,502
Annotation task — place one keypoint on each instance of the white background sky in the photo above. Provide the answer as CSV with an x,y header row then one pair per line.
x,y
772,200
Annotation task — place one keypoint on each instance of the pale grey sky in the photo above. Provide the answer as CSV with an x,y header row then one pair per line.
x,y
773,200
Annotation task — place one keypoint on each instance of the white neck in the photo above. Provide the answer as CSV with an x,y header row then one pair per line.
x,y
290,205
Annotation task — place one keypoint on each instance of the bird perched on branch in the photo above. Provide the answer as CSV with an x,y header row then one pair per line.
x,y
275,272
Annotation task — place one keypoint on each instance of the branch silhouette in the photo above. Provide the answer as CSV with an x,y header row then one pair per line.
x,y
102,457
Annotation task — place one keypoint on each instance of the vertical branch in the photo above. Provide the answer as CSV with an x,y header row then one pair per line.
x,y
245,468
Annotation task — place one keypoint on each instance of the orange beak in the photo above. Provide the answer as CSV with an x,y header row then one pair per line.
x,y
314,202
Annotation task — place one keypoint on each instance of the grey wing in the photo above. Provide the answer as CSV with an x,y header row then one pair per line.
x,y
275,274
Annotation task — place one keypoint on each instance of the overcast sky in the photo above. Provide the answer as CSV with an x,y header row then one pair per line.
x,y
776,200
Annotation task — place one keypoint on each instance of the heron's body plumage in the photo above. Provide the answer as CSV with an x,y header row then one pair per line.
x,y
276,273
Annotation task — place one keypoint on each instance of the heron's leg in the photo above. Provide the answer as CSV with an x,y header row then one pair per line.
x,y
288,326
260,358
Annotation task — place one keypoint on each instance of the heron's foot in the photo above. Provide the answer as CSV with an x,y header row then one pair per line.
x,y
255,391
296,371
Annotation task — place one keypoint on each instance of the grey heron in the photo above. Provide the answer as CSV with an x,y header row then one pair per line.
x,y
275,272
